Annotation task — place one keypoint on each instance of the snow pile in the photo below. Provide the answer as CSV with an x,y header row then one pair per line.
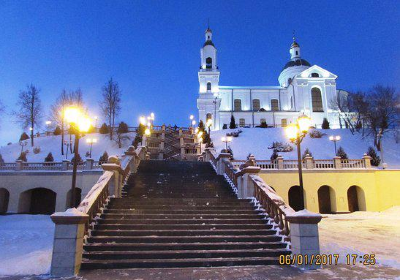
x,y
26,244
53,144
363,233
257,140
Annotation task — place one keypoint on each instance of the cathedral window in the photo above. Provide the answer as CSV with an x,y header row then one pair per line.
x,y
315,75
283,122
208,116
274,105
316,98
208,62
208,86
263,121
256,105
242,122
237,103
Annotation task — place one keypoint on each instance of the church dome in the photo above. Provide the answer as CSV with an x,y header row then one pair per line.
x,y
208,43
297,62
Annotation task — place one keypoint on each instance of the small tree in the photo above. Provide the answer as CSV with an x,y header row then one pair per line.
x,y
306,153
1,160
141,129
122,128
79,159
22,157
201,126
49,158
104,157
23,137
111,103
325,124
375,159
232,124
341,153
225,126
104,129
57,131
274,155
137,140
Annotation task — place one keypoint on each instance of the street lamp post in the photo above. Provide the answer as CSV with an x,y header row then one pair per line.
x,y
296,133
91,141
48,123
23,143
226,140
334,139
79,124
209,124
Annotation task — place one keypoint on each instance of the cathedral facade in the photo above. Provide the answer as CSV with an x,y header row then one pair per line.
x,y
303,89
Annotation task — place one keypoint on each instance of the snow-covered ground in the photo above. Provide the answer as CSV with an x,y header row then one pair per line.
x,y
26,243
53,144
257,140
363,233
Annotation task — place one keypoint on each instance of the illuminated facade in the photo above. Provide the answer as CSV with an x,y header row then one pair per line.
x,y
303,88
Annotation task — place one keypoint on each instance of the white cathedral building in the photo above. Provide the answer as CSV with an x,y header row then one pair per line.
x,y
303,89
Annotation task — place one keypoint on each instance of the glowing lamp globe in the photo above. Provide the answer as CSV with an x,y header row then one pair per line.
x,y
84,124
304,123
72,114
147,132
292,131
223,139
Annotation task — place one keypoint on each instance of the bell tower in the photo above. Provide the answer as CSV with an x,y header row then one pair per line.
x,y
208,101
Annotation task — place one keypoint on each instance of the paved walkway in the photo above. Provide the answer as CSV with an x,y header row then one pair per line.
x,y
233,273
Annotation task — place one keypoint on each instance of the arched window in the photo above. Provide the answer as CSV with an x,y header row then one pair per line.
x,y
316,100
263,121
256,104
242,122
237,103
315,75
295,197
208,86
326,200
208,116
208,62
356,199
274,105
4,199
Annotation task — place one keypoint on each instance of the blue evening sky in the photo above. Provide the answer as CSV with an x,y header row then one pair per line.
x,y
152,48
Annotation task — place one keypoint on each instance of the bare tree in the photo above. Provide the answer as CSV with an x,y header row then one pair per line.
x,y
111,103
30,110
64,100
382,111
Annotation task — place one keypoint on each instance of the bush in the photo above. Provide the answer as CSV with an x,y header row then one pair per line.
x,y
325,124
358,125
104,157
22,157
137,140
91,129
232,124
306,153
281,147
79,159
23,137
316,134
36,150
234,133
263,125
274,155
341,153
122,128
49,158
57,131
141,130
225,126
375,159
104,129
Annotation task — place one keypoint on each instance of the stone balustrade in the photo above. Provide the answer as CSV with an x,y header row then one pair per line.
x,y
65,165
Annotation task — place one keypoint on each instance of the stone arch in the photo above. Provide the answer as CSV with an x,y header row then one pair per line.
x,y
356,199
37,201
78,197
295,196
326,200
4,199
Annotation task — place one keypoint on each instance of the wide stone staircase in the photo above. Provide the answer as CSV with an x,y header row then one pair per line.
x,y
180,214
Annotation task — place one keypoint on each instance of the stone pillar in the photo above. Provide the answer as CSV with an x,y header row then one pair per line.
x,y
68,242
337,162
247,184
279,159
65,164
144,140
89,164
309,162
19,166
115,187
367,161
304,235
220,162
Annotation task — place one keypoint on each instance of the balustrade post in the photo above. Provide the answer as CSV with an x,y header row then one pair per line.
x,y
114,166
304,235
221,164
337,162
68,242
144,140
309,162
367,161
89,164
279,159
65,164
246,185
20,165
